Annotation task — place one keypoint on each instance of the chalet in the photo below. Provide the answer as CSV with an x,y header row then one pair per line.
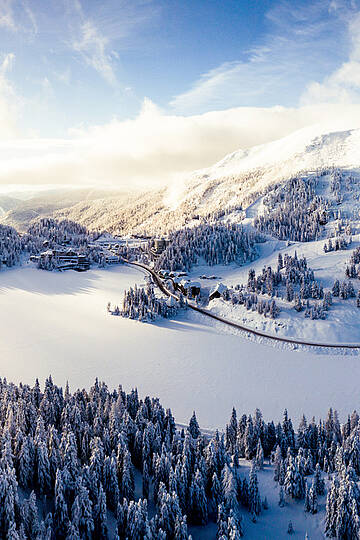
x,y
217,291
189,288
195,288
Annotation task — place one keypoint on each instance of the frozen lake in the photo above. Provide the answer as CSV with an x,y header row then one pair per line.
x,y
56,323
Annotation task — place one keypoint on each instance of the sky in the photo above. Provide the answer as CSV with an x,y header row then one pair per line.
x,y
130,93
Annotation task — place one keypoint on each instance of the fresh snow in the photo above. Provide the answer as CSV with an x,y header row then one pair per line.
x,y
342,324
306,149
245,174
273,523
56,323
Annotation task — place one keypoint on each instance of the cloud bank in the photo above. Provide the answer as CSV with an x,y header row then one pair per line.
x,y
203,124
151,149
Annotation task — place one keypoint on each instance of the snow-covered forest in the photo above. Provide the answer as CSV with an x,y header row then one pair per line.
x,y
11,246
104,464
216,244
294,211
141,303
42,234
293,281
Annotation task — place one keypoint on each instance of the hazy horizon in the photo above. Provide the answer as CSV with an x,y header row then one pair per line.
x,y
134,94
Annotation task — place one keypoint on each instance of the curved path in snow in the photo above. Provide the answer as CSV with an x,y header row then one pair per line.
x,y
160,284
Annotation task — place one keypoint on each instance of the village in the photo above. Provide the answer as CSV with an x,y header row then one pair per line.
x,y
109,250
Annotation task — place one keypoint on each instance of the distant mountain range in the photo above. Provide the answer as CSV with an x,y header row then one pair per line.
x,y
229,186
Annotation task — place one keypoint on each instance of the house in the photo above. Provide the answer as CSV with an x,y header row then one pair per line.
x,y
217,291
195,288
189,288
159,245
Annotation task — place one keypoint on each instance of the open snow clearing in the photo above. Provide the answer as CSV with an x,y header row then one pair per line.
x,y
159,283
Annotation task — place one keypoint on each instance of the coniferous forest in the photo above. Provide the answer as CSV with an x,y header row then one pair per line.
x,y
104,463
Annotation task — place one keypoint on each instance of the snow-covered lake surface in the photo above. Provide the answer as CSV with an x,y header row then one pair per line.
x,y
56,323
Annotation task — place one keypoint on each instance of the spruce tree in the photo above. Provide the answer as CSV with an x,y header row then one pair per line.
x,y
193,428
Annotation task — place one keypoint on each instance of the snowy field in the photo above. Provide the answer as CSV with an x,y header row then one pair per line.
x,y
342,324
56,323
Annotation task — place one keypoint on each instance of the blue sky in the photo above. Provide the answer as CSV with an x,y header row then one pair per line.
x,y
84,68
86,62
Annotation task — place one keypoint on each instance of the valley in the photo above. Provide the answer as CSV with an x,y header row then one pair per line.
x,y
153,295
53,318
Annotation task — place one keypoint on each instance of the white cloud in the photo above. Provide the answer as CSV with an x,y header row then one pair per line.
x,y
10,103
150,150
7,63
343,84
92,45
101,30
7,14
230,84
277,69
17,15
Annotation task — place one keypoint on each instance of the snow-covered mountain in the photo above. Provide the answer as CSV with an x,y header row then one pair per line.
x,y
241,174
242,177
230,185
307,148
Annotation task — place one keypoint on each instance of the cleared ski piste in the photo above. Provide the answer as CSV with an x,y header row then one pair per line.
x,y
56,323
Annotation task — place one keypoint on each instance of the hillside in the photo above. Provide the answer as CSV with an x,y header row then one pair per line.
x,y
19,212
7,203
227,188
230,185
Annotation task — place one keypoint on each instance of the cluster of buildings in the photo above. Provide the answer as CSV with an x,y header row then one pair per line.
x,y
66,257
107,248
62,259
189,288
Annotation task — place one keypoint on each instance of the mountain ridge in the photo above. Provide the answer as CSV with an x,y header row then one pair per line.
x,y
228,186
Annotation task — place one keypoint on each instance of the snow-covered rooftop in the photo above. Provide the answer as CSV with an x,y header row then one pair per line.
x,y
219,287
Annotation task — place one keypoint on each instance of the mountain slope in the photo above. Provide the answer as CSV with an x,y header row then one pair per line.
x,y
228,187
307,148
19,213
7,203
242,177
245,172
